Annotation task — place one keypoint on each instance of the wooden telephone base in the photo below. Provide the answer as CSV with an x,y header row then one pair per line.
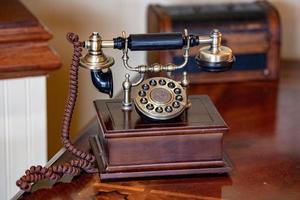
x,y
129,146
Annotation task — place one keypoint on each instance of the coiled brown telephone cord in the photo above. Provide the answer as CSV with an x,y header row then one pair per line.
x,y
85,160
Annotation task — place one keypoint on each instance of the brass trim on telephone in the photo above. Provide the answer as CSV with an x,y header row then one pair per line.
x,y
214,58
95,59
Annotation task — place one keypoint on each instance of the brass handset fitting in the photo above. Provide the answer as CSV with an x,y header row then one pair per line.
x,y
95,59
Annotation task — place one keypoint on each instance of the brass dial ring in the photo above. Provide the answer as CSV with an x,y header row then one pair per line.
x,y
160,98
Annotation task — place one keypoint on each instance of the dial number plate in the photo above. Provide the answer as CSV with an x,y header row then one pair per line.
x,y
160,98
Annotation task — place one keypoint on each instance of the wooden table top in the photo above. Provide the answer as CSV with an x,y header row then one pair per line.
x,y
263,145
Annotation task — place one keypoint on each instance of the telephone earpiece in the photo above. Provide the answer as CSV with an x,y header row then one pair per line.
x,y
220,61
215,58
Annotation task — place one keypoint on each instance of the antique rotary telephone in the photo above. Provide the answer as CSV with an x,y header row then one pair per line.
x,y
155,99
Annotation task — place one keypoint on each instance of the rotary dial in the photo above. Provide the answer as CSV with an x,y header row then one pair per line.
x,y
160,98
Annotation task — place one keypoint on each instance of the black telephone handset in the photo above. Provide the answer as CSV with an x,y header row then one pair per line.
x,y
156,98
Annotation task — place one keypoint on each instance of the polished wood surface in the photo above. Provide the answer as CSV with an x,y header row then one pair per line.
x,y
202,115
24,49
129,146
263,144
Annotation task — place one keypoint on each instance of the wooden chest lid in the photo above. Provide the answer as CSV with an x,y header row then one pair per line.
x,y
202,116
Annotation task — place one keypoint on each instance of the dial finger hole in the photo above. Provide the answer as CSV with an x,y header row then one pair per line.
x,y
153,82
159,109
150,106
144,100
176,104
168,109
171,85
162,82
145,87
179,98
177,91
142,93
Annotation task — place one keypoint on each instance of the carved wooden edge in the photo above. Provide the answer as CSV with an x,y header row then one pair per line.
x,y
24,34
27,59
24,49
141,171
160,173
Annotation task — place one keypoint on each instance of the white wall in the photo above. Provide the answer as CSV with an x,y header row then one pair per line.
x,y
22,129
110,17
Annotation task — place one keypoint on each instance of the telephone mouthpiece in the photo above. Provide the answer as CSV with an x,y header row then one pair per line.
x,y
103,81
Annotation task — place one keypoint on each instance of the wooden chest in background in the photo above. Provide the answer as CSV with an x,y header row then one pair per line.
x,y
251,30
